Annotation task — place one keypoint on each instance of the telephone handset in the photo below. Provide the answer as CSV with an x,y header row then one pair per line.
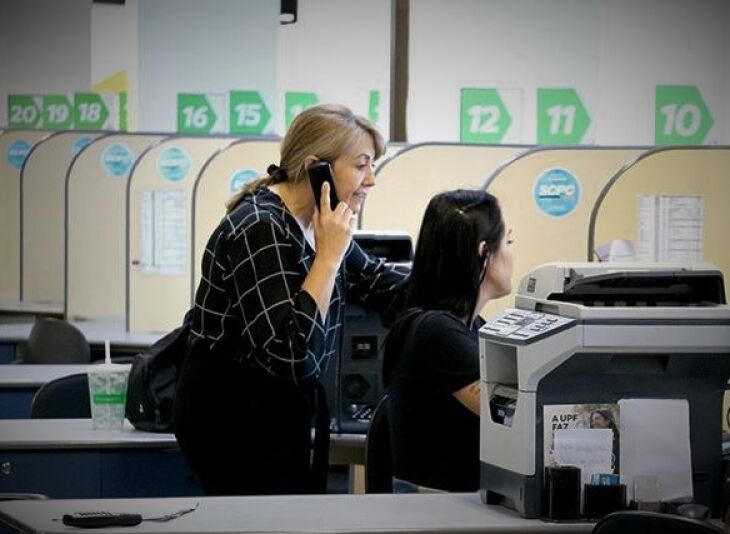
x,y
319,172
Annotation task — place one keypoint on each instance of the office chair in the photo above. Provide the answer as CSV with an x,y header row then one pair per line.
x,y
54,341
639,522
378,454
63,398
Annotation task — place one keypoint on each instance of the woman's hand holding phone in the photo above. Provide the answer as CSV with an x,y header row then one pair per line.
x,y
333,229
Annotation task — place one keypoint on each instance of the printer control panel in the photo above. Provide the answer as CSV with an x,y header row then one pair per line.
x,y
524,326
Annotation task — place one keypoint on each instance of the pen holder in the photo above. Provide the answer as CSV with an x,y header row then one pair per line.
x,y
602,500
561,493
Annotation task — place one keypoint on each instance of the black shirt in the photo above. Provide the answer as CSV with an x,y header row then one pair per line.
x,y
435,437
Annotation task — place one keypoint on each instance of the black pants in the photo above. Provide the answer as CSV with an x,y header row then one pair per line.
x,y
243,433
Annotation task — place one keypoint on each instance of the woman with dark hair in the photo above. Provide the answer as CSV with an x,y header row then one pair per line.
x,y
431,362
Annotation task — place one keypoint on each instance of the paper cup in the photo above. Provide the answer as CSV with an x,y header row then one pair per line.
x,y
108,395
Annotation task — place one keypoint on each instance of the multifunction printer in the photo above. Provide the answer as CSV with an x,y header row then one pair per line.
x,y
598,333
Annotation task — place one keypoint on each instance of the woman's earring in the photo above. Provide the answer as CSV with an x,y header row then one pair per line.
x,y
485,265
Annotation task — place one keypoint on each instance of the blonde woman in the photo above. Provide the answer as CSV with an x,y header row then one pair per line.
x,y
269,309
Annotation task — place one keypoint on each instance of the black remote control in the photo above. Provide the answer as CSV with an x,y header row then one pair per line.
x,y
101,519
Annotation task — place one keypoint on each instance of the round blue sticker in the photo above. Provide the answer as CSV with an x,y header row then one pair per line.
x,y
173,164
17,152
117,160
240,178
556,192
79,144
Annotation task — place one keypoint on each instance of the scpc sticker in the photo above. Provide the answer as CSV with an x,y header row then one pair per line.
x,y
117,160
240,178
80,144
556,192
17,152
173,164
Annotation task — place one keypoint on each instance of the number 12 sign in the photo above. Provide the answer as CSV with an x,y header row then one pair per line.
x,y
484,116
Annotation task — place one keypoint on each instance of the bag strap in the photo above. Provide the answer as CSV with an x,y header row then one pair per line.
x,y
416,324
321,443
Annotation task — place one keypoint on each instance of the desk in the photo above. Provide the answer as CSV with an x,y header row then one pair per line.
x,y
24,307
456,512
97,331
66,458
18,384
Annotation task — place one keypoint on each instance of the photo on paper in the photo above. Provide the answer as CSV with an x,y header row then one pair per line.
x,y
584,435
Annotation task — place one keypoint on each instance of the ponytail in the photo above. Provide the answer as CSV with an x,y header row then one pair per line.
x,y
275,175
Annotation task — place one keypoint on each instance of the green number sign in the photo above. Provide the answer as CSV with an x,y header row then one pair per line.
x,y
248,113
295,103
374,105
561,117
58,112
23,112
195,114
484,117
680,115
123,111
90,111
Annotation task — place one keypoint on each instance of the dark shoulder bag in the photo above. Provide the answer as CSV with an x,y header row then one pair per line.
x,y
152,379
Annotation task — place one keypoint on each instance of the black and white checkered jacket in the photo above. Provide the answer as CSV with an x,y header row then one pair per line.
x,y
250,304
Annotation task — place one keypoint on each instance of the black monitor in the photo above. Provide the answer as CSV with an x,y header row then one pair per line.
x,y
395,247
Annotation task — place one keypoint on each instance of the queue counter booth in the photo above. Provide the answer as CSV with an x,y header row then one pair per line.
x,y
95,225
546,195
687,188
409,177
15,145
159,228
43,180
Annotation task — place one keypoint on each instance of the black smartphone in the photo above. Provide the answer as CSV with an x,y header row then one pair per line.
x,y
319,173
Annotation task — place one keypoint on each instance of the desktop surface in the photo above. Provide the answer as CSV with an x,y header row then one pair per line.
x,y
455,512
39,454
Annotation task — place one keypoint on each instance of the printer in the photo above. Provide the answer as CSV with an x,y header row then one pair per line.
x,y
583,333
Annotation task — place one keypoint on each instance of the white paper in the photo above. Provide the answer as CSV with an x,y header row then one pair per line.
x,y
669,227
162,219
588,448
616,250
654,440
